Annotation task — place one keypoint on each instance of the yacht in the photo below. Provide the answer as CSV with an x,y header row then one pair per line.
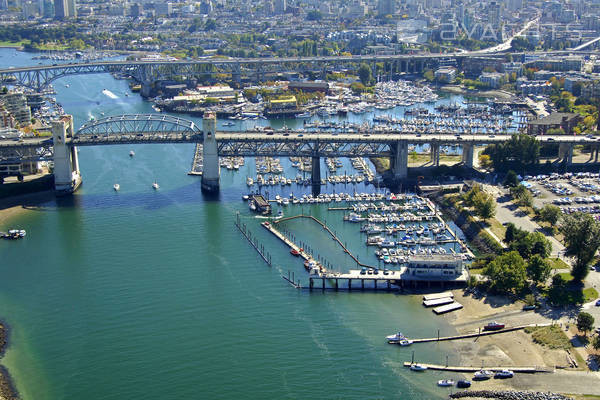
x,y
418,367
483,375
395,337
505,373
155,185
116,186
445,382
405,342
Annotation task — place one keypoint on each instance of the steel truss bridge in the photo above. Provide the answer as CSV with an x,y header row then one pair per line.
x,y
145,72
159,128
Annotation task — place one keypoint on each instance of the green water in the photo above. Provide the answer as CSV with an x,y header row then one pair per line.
x,y
156,295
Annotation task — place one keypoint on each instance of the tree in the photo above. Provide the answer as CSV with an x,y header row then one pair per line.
x,y
582,238
519,153
540,245
596,343
550,213
511,179
484,205
314,15
585,322
428,75
357,88
469,197
210,25
538,269
529,300
511,229
485,161
507,273
365,74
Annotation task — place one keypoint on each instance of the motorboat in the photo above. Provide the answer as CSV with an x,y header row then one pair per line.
x,y
155,186
493,326
405,342
245,197
117,187
463,384
418,367
445,382
131,153
395,337
504,374
15,234
483,375
295,252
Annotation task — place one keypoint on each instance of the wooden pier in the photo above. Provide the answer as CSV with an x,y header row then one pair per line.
x,y
524,370
476,334
198,161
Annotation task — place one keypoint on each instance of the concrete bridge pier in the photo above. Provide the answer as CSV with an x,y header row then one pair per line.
x,y
467,154
596,156
146,89
66,163
399,160
211,171
435,154
565,153
316,175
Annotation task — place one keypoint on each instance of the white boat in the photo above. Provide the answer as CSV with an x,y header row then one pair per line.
x,y
418,367
155,186
116,186
405,342
445,382
483,374
395,337
245,197
131,153
505,373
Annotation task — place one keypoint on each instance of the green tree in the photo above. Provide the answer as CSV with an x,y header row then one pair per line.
x,y
210,25
511,230
358,88
550,213
596,343
585,322
484,205
529,299
540,245
511,179
538,269
582,238
314,15
364,74
507,273
428,75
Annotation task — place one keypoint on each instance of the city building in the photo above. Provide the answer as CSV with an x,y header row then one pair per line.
x,y
163,9
564,121
445,74
386,7
16,105
492,79
280,6
429,266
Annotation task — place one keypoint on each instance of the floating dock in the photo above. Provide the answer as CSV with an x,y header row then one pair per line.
x,y
438,302
434,296
448,308
198,161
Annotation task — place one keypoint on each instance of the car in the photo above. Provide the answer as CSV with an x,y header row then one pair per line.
x,y
286,134
551,139
418,135
366,135
269,133
598,303
529,307
300,135
140,134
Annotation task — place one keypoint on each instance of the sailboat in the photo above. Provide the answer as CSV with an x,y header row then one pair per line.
x,y
116,186
155,185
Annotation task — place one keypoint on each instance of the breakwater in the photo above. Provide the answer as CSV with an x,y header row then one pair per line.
x,y
7,388
509,395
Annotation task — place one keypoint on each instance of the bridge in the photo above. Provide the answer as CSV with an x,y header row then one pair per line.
x,y
146,72
160,128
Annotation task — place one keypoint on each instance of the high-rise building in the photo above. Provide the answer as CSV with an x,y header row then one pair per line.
x,y
163,9
280,6
3,4
60,9
136,10
48,9
72,7
385,7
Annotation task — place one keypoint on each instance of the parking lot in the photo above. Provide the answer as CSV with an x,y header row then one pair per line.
x,y
570,191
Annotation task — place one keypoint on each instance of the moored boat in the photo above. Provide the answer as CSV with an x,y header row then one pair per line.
x,y
418,367
463,384
116,187
504,374
445,382
483,375
395,337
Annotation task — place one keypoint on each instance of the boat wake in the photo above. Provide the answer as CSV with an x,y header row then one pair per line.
x,y
110,94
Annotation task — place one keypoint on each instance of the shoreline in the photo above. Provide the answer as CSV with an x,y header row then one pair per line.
x,y
8,389
16,206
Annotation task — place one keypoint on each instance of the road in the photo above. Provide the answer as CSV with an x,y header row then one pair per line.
x,y
507,43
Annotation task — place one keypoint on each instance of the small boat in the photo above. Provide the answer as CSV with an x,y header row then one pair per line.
x,y
504,374
295,252
405,342
245,197
131,153
116,186
493,326
155,186
395,337
418,367
483,375
463,384
445,382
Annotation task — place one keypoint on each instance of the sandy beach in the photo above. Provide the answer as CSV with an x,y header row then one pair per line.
x,y
15,206
515,348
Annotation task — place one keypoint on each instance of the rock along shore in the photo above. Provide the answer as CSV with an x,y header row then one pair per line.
x,y
7,388
508,395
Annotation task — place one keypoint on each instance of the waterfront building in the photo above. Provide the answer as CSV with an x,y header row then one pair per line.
x,y
564,121
445,75
492,79
16,105
287,102
435,266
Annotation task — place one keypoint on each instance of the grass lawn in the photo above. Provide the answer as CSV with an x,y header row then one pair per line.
x,y
497,228
550,336
557,263
13,44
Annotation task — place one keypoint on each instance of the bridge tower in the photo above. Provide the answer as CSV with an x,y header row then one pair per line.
x,y
435,154
399,161
467,154
565,153
211,171
66,163
316,175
